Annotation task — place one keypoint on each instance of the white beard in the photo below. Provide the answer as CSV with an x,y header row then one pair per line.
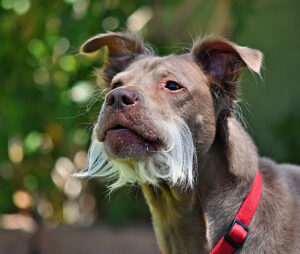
x,y
175,164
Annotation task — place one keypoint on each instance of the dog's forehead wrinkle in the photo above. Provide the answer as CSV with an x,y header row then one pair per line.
x,y
145,63
151,68
180,67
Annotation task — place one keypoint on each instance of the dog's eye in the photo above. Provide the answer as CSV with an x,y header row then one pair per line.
x,y
116,85
173,86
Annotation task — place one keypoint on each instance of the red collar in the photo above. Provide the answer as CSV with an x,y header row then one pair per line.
x,y
237,233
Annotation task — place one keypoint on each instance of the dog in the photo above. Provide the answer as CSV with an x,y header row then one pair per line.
x,y
168,123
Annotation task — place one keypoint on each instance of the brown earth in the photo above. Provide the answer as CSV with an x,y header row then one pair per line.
x,y
93,240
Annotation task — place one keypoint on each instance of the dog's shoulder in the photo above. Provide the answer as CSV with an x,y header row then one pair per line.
x,y
285,174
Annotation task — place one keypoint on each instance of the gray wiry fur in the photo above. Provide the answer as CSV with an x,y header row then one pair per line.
x,y
174,164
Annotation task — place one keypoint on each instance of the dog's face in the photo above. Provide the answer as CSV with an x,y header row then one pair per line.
x,y
162,111
152,96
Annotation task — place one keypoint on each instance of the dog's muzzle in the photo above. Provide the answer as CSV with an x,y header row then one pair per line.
x,y
125,127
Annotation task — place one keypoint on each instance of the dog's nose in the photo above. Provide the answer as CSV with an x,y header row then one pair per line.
x,y
121,98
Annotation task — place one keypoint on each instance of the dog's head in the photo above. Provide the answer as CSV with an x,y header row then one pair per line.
x,y
161,113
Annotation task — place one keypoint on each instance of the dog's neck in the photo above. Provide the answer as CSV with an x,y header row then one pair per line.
x,y
196,220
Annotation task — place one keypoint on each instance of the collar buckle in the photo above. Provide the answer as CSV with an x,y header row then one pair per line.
x,y
236,234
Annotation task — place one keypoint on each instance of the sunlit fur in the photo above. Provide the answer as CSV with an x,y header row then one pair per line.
x,y
174,164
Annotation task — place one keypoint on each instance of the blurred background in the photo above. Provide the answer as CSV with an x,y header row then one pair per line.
x,y
49,101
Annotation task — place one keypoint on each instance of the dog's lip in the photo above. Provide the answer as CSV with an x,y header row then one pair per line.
x,y
117,127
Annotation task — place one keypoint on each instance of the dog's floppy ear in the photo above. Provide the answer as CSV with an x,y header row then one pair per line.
x,y
122,49
222,60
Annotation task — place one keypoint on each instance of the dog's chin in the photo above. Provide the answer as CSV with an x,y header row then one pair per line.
x,y
125,144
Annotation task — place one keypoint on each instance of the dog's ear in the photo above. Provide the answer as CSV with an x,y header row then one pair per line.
x,y
222,60
122,49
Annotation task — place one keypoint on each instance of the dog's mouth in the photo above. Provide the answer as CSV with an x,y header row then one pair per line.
x,y
118,127
121,142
